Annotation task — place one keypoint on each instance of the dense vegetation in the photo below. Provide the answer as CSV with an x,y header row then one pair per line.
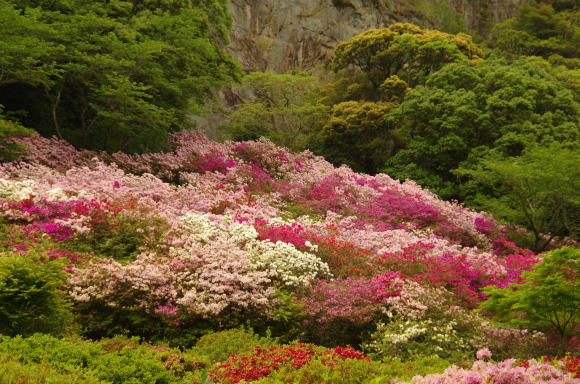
x,y
438,109
135,250
112,75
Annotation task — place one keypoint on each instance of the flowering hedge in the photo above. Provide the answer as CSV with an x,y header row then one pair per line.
x,y
212,234
261,362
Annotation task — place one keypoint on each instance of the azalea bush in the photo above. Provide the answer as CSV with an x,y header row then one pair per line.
x,y
261,362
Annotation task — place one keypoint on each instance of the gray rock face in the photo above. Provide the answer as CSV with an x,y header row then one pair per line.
x,y
277,35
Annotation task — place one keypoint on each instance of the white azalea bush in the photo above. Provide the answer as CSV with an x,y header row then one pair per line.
x,y
408,338
282,262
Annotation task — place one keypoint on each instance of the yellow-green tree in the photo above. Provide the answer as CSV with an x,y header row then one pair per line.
x,y
405,50
357,135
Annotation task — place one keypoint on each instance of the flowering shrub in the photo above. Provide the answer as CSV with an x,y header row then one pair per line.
x,y
261,362
532,372
282,261
355,300
409,338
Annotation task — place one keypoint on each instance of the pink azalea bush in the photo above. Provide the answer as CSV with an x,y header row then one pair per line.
x,y
507,372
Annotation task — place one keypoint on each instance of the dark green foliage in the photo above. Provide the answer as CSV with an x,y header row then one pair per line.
x,y
464,113
358,135
549,299
8,150
30,296
123,237
111,75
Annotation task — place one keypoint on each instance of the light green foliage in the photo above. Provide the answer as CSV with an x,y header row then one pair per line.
x,y
465,112
286,109
541,29
358,135
114,75
78,361
394,89
548,299
15,371
352,371
218,346
538,190
30,296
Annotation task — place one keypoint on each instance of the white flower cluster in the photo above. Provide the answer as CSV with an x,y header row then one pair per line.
x,y
404,332
281,261
19,190
285,263
410,337
16,190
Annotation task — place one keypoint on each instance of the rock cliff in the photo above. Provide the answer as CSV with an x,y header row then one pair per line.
x,y
278,35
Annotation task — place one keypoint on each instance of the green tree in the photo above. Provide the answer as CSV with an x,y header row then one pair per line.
x,y
116,75
405,50
538,190
286,108
358,135
465,113
549,298
541,29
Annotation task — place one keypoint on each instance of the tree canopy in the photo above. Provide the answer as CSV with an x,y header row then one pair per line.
x,y
549,298
115,75
464,113
405,50
538,190
286,108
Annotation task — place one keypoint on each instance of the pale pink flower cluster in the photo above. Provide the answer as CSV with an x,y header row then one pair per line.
x,y
483,354
506,372
202,280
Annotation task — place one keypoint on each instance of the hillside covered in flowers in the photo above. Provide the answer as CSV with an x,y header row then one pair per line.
x,y
213,236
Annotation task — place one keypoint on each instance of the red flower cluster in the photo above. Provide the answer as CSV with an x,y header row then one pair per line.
x,y
571,363
262,361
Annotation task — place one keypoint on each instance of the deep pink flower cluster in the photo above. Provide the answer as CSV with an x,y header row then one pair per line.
x,y
456,272
287,233
355,300
49,217
213,162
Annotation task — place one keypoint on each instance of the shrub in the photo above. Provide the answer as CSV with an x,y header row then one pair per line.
x,y
352,371
548,299
30,298
17,372
408,339
219,346
132,364
261,362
